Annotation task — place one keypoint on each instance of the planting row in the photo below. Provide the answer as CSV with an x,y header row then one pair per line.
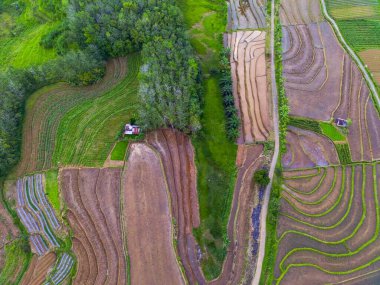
x,y
36,213
61,270
329,225
248,70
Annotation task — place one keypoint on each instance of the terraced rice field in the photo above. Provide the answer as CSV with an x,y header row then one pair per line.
x,y
372,59
328,230
67,125
329,226
61,270
246,14
298,12
147,220
36,214
92,196
249,78
38,269
318,90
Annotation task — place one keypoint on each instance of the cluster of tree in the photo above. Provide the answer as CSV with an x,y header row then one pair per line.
x,y
225,82
169,77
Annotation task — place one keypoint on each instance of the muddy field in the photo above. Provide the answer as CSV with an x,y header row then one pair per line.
x,y
248,70
147,219
92,196
38,269
307,149
246,14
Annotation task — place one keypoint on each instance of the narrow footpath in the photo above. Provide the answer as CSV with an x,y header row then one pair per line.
x,y
264,212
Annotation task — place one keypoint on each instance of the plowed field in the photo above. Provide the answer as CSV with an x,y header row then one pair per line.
x,y
249,78
147,220
246,14
92,196
38,269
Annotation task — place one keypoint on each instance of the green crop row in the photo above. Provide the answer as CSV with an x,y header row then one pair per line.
x,y
344,153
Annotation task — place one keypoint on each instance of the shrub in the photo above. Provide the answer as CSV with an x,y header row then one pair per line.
x,y
261,177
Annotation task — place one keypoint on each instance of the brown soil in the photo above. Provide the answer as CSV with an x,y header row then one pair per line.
x,y
148,220
92,196
293,12
248,67
38,269
305,185
308,149
37,152
251,17
371,58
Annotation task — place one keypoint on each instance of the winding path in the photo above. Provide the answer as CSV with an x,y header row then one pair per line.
x,y
263,217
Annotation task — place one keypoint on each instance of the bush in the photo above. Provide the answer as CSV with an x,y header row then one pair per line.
x,y
261,177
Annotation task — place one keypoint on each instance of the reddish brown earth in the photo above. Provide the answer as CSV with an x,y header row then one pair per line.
x,y
293,12
38,269
92,197
249,79
147,219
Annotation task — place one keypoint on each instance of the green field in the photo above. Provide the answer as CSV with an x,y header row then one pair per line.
x,y
20,34
118,153
215,155
51,189
332,132
359,22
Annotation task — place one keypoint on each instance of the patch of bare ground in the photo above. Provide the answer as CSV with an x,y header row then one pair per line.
x,y
92,196
308,149
294,12
246,14
371,58
38,269
306,184
147,218
249,78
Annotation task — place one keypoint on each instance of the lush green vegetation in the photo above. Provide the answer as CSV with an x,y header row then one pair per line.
x,y
215,154
118,153
344,153
261,177
51,189
17,255
305,124
225,82
332,132
359,22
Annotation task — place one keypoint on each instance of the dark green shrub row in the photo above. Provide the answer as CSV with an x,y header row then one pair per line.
x,y
225,82
305,124
344,153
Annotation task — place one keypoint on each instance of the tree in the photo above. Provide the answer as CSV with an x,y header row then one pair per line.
x,y
261,177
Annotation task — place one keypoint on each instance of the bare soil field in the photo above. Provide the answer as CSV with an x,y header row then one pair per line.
x,y
372,59
92,196
246,14
307,149
53,102
295,12
38,269
8,231
147,219
249,78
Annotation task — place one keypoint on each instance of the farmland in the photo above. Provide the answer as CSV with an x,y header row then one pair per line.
x,y
97,240
38,268
248,67
329,209
246,14
60,140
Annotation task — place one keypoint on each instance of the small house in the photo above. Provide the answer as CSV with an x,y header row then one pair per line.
x,y
341,123
131,129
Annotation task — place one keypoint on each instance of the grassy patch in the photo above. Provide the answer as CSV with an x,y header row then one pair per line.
x,y
17,256
215,155
118,153
305,124
51,189
344,153
332,132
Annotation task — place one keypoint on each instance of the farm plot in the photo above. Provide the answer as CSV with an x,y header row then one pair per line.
x,y
246,14
147,218
296,12
36,214
307,149
177,156
38,269
329,228
371,58
8,230
92,197
61,270
249,78
57,114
